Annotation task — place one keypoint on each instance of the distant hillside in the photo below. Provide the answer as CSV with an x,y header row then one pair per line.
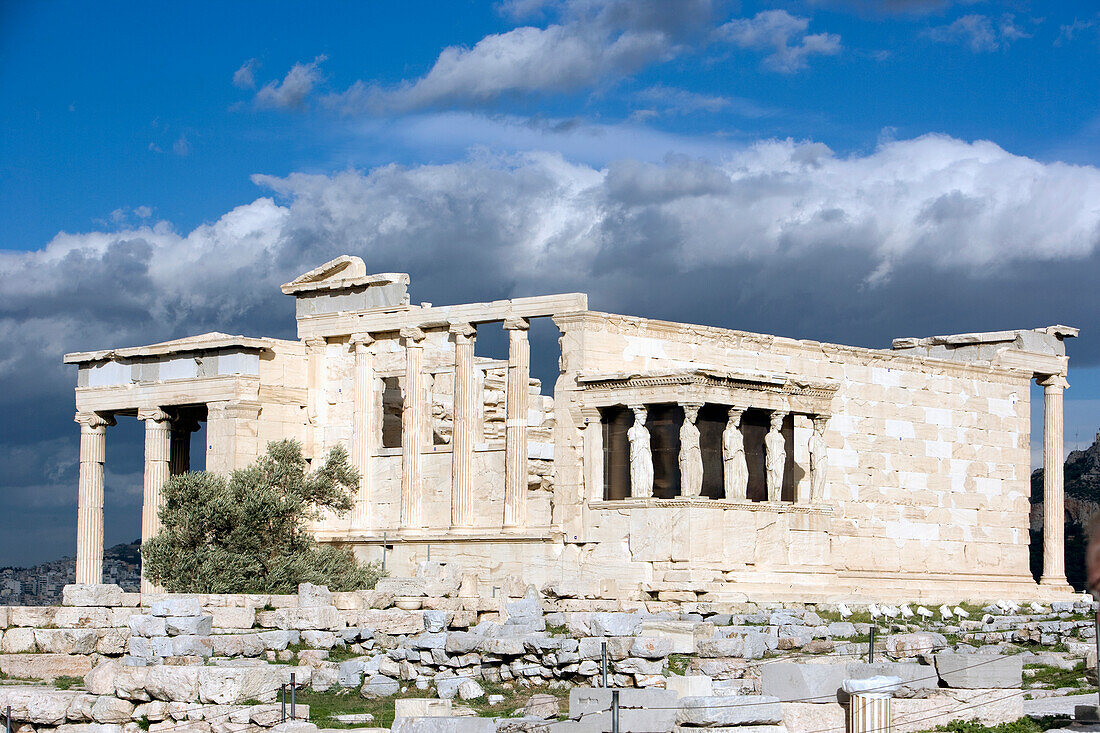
x,y
1082,482
41,585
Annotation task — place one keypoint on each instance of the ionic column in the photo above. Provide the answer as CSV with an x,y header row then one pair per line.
x,y
412,429
89,498
515,422
158,451
465,419
1054,562
593,453
365,426
315,356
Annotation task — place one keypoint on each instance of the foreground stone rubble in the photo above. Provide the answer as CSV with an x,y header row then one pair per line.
x,y
218,663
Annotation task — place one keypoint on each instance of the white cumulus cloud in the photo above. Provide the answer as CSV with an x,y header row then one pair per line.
x,y
292,91
784,35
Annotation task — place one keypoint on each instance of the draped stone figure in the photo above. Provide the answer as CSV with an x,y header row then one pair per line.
x,y
775,457
735,471
691,457
819,459
641,457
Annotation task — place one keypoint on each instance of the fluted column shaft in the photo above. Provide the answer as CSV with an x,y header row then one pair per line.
x,y
465,416
1054,562
315,371
89,517
365,427
412,429
158,453
515,435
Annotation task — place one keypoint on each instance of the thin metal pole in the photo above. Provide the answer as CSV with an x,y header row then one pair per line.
x,y
614,711
871,646
1096,625
603,662
293,686
7,717
282,698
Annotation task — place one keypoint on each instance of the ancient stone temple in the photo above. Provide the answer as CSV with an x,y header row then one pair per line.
x,y
671,461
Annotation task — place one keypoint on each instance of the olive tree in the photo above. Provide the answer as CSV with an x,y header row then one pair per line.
x,y
247,532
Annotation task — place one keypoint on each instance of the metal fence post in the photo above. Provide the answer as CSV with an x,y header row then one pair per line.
x,y
614,711
871,646
293,686
282,702
1096,625
7,717
603,662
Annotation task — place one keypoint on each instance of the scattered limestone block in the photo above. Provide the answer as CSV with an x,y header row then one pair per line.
x,y
173,684
189,625
147,625
229,617
979,671
66,641
238,645
17,641
679,633
421,707
81,617
901,646
109,709
101,679
112,642
809,682
318,617
544,707
311,596
32,616
230,685
83,594
388,621
445,725
44,666
711,712
749,645
650,647
695,685
178,606
3,617
380,685
38,706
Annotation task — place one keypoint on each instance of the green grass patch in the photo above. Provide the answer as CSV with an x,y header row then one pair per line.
x,y
556,630
678,663
66,682
1023,725
1045,676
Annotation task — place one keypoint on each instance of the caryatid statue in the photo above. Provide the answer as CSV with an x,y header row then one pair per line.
x,y
819,459
775,456
691,457
641,456
735,471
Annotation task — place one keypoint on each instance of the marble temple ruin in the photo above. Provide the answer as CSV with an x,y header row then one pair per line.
x,y
671,459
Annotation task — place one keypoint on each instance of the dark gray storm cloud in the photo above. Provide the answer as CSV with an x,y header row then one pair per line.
x,y
924,236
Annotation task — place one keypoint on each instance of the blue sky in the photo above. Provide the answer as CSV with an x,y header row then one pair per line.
x,y
846,171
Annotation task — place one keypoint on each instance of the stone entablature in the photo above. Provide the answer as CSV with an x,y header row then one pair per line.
x,y
786,467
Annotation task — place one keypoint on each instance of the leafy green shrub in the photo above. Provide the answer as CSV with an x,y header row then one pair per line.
x,y
247,533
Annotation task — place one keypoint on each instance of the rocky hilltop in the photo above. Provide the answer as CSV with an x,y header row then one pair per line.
x,y
1082,482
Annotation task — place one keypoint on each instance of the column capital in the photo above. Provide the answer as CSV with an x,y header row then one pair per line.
x,y
589,414
820,419
94,419
691,410
360,341
315,342
153,413
412,333
516,324
736,412
1053,381
462,331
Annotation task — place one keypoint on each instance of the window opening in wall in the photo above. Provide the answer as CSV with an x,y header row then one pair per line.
x,y
664,436
711,422
616,452
754,426
392,402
